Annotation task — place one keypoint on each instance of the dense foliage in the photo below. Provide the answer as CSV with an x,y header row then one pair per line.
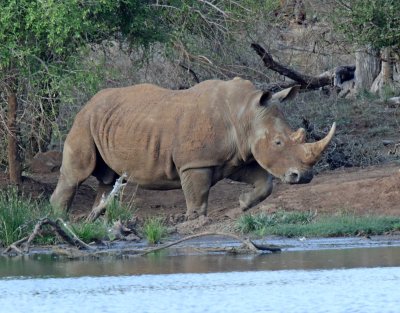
x,y
371,22
53,30
42,46
46,48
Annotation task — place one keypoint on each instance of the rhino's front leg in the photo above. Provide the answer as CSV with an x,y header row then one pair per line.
x,y
261,181
196,184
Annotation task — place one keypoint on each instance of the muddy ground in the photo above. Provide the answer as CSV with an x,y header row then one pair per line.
x,y
372,190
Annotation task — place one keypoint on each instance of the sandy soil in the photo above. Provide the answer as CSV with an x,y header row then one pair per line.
x,y
362,191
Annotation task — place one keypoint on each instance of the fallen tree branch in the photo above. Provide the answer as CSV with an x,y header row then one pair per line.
x,y
248,246
14,246
58,227
333,77
246,242
70,237
105,200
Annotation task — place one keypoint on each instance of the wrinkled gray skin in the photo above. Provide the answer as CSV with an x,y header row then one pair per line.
x,y
189,139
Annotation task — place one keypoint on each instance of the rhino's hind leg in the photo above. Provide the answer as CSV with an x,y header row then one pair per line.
x,y
79,160
63,195
261,181
106,178
196,184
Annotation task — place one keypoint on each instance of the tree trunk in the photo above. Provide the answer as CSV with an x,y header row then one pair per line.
x,y
385,77
367,68
396,73
387,67
299,12
14,164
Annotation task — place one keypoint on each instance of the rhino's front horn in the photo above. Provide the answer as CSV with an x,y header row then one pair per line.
x,y
315,149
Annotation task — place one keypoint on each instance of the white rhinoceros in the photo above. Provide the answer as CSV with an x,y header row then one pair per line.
x,y
189,139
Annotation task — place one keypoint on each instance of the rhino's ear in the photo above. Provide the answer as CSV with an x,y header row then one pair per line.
x,y
265,98
286,94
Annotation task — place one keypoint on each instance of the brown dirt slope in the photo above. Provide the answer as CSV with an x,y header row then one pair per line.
x,y
372,190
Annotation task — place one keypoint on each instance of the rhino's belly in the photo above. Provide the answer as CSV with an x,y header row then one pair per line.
x,y
161,185
147,176
151,179
140,163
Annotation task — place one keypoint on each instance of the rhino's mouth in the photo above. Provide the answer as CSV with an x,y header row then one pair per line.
x,y
294,176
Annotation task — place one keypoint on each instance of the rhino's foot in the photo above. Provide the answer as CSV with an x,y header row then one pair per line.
x,y
244,201
233,214
190,216
193,226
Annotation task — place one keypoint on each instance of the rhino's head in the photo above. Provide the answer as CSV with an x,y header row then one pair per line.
x,y
277,148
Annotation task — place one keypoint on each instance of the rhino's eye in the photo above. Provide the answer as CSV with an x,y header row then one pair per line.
x,y
278,142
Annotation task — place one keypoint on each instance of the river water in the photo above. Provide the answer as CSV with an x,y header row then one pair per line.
x,y
333,280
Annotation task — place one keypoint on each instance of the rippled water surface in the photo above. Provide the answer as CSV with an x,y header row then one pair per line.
x,y
352,280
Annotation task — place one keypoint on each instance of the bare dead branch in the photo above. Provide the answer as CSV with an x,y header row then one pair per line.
x,y
306,81
195,77
214,7
15,244
335,77
105,200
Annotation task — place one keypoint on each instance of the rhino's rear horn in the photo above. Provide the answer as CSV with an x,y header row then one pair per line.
x,y
299,136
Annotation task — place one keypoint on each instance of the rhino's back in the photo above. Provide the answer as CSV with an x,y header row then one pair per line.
x,y
152,133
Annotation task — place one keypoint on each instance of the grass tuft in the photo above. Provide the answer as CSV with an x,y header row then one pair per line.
x,y
154,230
89,232
299,224
259,222
117,211
18,215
